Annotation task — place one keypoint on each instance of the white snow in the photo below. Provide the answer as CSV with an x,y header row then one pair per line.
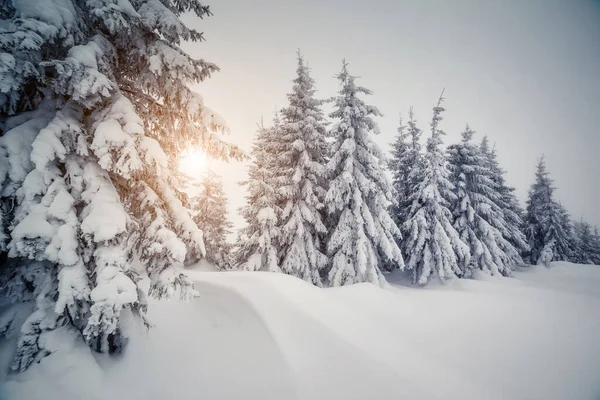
x,y
255,335
102,200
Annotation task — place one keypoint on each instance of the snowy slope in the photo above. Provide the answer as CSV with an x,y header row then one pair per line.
x,y
270,336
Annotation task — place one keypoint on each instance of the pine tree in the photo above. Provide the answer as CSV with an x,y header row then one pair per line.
x,y
547,254
301,149
210,214
596,246
564,236
432,245
546,221
362,234
508,202
94,108
400,172
478,218
256,246
405,164
585,252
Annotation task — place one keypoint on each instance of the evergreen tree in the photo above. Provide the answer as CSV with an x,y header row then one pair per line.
x,y
399,169
584,249
256,247
596,246
362,234
478,218
300,150
432,245
94,107
508,202
546,254
405,167
546,221
566,242
210,209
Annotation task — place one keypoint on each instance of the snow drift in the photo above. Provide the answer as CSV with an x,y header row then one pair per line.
x,y
272,336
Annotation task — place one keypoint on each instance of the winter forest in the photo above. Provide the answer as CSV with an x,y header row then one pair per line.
x,y
98,222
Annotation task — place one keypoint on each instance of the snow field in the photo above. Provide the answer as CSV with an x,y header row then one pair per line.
x,y
271,336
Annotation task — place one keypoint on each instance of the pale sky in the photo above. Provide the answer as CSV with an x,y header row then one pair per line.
x,y
524,72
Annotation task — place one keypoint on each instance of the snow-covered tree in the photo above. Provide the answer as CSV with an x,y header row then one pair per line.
x,y
596,245
546,221
300,149
585,251
256,246
508,202
432,246
399,170
478,216
210,213
363,235
94,107
546,255
405,166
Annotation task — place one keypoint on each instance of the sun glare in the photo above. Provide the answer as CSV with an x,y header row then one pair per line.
x,y
192,162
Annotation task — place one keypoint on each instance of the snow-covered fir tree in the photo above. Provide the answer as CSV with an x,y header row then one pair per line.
x,y
399,170
94,107
547,223
508,202
432,246
362,235
300,150
585,251
478,217
256,245
565,236
405,166
596,245
547,254
210,214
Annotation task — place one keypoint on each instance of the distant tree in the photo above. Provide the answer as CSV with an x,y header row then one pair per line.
x,y
256,246
432,245
478,217
300,149
362,233
405,166
546,221
399,170
507,201
547,254
586,250
210,214
596,245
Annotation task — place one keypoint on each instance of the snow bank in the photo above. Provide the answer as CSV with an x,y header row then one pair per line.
x,y
271,336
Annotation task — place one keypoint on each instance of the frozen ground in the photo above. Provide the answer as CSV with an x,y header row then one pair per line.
x,y
272,337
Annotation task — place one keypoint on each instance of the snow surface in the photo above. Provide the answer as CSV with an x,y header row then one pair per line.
x,y
255,335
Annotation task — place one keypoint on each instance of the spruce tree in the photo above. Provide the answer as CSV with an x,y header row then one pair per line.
x,y
508,202
362,235
596,246
565,236
256,246
546,221
478,218
432,245
405,165
94,108
399,171
585,251
300,150
210,214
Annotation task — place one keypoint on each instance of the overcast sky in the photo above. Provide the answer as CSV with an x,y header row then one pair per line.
x,y
526,73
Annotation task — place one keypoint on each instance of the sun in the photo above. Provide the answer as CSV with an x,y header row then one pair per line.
x,y
192,162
